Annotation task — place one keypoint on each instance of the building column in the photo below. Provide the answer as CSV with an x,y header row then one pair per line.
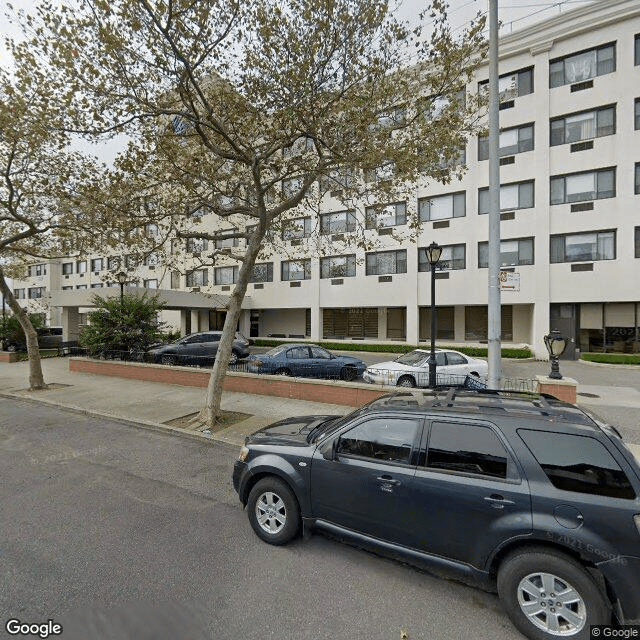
x,y
70,323
382,323
413,324
316,323
195,321
459,323
245,322
183,321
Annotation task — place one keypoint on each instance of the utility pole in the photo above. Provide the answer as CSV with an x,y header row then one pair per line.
x,y
494,320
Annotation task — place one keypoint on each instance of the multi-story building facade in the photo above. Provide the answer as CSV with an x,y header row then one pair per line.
x,y
570,236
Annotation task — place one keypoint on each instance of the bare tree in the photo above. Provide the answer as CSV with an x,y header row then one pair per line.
x,y
242,114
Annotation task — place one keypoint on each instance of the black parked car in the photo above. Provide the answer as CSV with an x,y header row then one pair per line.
x,y
196,348
522,494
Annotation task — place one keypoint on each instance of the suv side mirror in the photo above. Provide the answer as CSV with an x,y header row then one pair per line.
x,y
329,451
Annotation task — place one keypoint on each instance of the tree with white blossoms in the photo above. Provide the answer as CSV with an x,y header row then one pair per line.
x,y
243,114
40,182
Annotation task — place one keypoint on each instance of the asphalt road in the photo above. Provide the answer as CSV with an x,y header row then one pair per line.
x,y
120,533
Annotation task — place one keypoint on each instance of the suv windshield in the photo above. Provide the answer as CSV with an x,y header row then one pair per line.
x,y
413,358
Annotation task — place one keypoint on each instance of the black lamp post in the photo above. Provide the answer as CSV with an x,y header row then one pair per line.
x,y
556,343
434,251
121,277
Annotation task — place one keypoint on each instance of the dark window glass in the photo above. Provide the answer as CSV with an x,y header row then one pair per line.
x,y
637,242
637,51
578,463
637,179
582,66
387,439
298,353
637,114
320,353
466,448
455,358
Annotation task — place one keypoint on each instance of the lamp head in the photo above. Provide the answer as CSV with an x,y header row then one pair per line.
x,y
434,251
121,277
556,343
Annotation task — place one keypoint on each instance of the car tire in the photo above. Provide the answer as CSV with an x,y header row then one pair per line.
x,y
167,359
406,381
527,575
283,371
234,358
12,348
273,511
348,374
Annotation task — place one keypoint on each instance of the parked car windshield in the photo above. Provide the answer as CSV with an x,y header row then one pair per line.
x,y
276,350
413,358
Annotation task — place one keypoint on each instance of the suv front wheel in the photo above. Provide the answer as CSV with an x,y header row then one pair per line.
x,y
549,595
273,511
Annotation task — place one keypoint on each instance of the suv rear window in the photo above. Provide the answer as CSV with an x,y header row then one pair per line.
x,y
578,463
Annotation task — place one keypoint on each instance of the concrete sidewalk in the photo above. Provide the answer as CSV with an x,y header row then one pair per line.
x,y
150,404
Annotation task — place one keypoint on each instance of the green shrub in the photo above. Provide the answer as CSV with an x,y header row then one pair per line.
x,y
11,330
480,352
612,358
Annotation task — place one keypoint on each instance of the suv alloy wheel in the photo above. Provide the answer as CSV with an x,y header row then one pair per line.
x,y
273,511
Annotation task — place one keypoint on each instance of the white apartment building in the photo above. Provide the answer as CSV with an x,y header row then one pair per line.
x,y
570,219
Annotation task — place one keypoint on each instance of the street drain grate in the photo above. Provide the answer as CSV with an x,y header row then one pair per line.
x,y
588,395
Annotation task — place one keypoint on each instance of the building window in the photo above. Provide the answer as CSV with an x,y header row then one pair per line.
x,y
381,173
636,120
97,285
298,228
19,294
338,179
452,258
225,243
390,119
512,253
587,185
386,262
113,263
338,267
637,50
175,279
81,286
434,106
151,260
583,126
96,264
81,266
512,141
291,186
67,288
296,270
339,222
452,205
637,242
637,179
225,275
131,261
36,292
512,85
38,270
67,268
445,323
518,195
300,146
582,66
262,272
151,230
197,245
583,247
391,215
150,284
197,278
476,322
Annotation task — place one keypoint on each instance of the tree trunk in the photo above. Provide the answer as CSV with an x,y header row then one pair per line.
x,y
210,413
36,378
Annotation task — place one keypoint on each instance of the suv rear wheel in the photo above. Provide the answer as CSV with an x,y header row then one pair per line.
x,y
273,511
550,595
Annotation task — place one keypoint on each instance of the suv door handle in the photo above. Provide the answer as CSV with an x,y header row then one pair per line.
x,y
388,480
497,501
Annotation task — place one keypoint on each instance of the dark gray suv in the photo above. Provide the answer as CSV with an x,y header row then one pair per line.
x,y
517,493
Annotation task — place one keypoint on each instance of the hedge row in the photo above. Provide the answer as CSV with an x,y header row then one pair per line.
x,y
612,358
481,352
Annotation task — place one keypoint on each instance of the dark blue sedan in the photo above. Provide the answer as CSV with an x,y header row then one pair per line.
x,y
305,360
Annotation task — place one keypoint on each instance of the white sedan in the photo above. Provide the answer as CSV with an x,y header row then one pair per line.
x,y
412,369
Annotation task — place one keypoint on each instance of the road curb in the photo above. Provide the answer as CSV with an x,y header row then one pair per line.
x,y
142,424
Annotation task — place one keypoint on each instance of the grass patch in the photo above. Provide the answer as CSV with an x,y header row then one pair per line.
x,y
480,352
612,358
44,353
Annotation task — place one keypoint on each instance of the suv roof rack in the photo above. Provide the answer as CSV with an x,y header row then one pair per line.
x,y
488,400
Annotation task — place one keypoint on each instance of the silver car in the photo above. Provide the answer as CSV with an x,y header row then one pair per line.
x,y
412,369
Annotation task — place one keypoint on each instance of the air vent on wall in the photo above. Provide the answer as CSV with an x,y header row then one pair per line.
x,y
337,236
294,284
385,279
508,215
582,267
443,224
582,206
337,281
226,287
581,146
441,275
258,285
385,231
295,243
581,86
507,160
509,104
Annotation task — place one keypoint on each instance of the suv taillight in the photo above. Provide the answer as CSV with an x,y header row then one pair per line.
x,y
636,519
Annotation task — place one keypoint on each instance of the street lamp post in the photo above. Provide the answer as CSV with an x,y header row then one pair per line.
x,y
121,277
434,251
556,344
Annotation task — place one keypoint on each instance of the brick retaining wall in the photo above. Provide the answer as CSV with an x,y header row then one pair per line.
x,y
351,394
9,356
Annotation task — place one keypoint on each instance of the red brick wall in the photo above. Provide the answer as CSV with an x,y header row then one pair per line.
x,y
345,393
568,393
8,356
